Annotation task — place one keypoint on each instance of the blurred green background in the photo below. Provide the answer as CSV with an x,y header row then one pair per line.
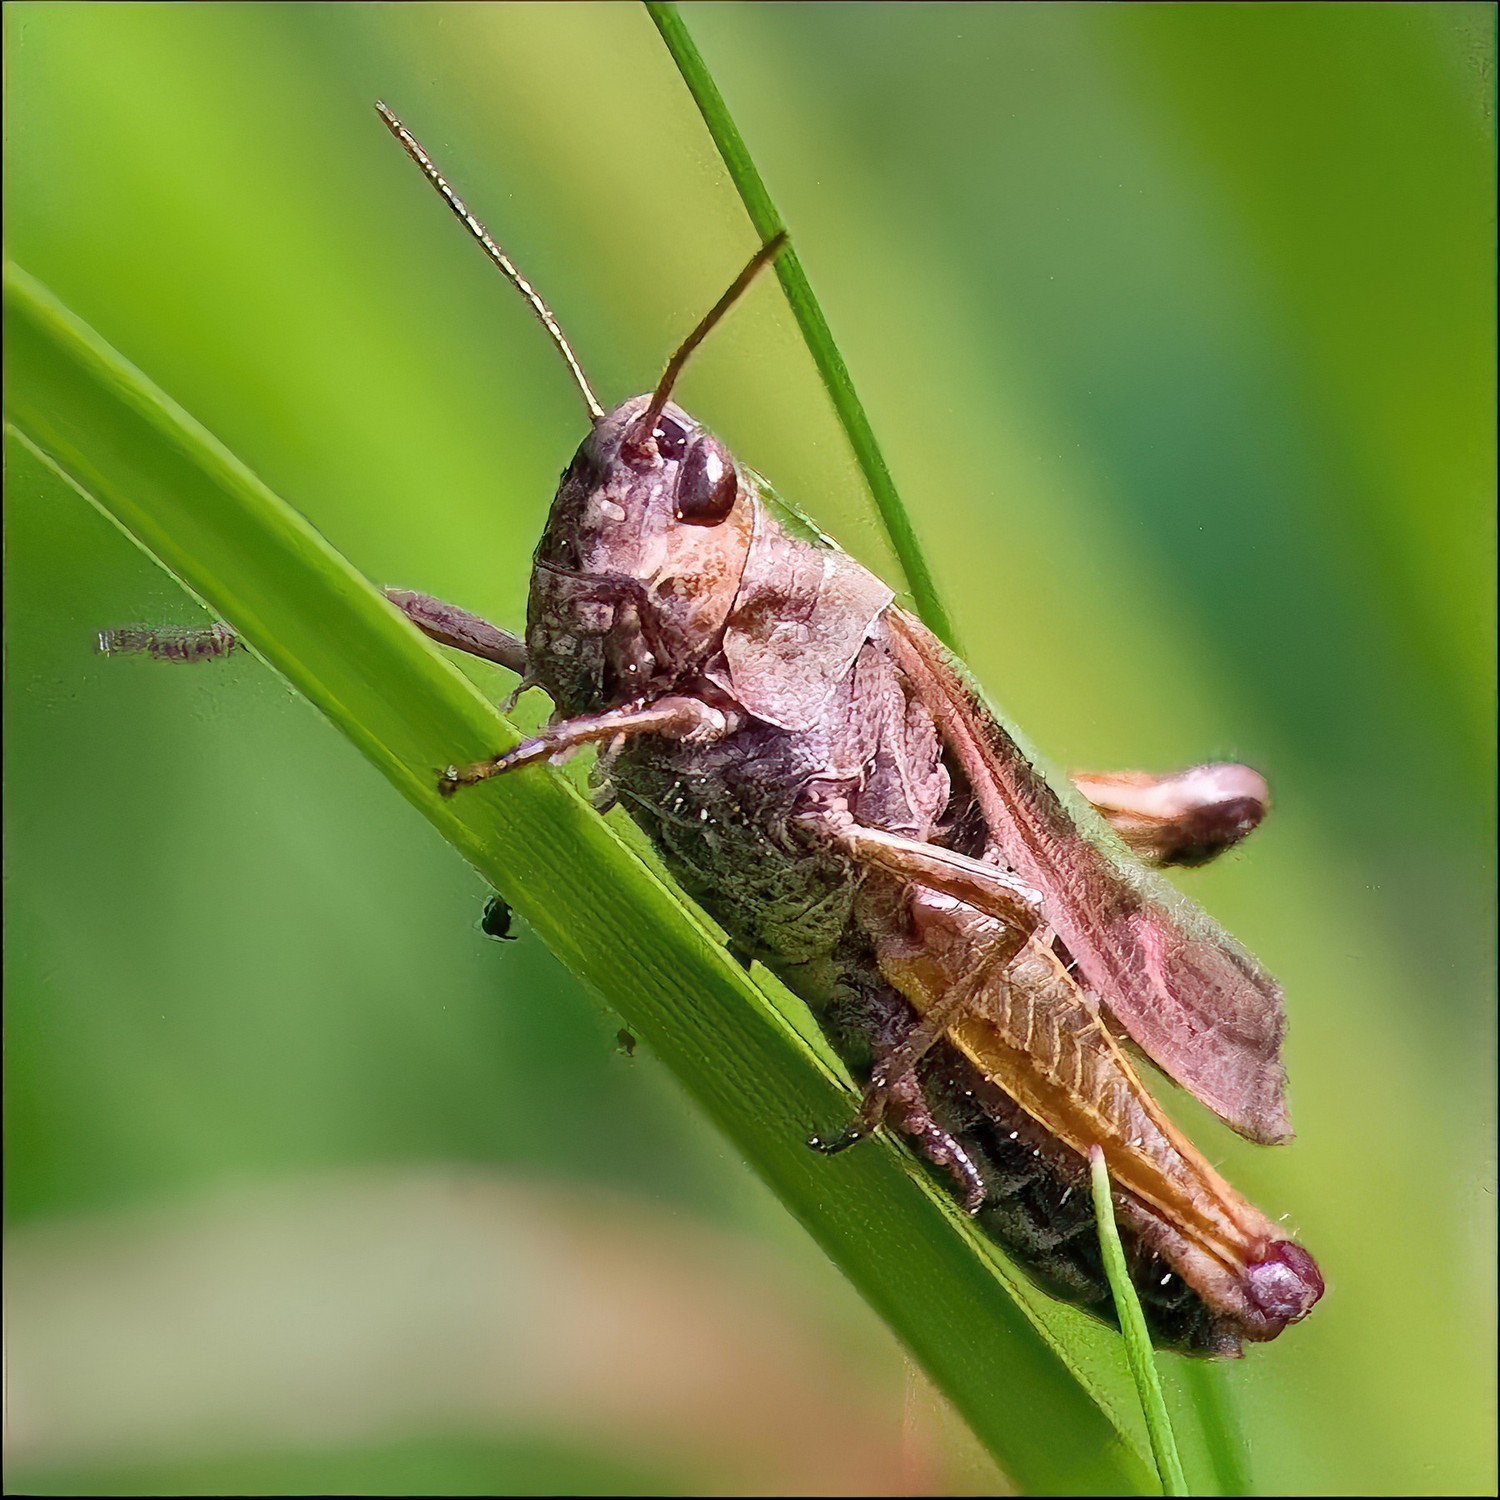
x,y
1176,323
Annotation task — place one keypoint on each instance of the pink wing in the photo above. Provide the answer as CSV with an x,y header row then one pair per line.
x,y
1194,1001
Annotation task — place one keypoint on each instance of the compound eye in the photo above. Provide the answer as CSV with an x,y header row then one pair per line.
x,y
706,484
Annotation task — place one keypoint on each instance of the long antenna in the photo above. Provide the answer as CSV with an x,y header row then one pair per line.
x,y
762,258
496,254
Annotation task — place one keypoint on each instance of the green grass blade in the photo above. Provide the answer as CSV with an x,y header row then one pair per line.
x,y
744,1051
1138,1351
1207,1387
809,314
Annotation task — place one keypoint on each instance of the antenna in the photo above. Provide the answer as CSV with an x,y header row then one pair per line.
x,y
496,254
762,258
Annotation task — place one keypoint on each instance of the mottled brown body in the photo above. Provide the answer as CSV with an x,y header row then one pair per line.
x,y
818,773
724,817
821,777
831,800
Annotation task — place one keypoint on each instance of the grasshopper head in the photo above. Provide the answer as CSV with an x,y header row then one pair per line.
x,y
650,528
641,561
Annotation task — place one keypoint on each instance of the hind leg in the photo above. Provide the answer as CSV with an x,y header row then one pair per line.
x,y
1185,819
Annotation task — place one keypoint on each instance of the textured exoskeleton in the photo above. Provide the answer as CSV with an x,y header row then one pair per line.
x,y
816,773
820,775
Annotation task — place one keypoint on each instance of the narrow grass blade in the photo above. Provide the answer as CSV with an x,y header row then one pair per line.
x,y
809,314
1223,1437
746,1052
1138,1351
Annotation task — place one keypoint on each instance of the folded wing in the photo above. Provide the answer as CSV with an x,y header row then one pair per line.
x,y
1177,984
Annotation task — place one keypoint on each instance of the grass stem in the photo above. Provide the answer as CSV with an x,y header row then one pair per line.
x,y
766,218
1138,1352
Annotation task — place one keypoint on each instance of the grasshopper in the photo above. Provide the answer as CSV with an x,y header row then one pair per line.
x,y
818,772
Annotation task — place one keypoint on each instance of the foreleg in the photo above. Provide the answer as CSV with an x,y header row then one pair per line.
x,y
170,642
449,625
677,718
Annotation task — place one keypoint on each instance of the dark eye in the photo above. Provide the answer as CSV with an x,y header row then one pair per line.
x,y
706,484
